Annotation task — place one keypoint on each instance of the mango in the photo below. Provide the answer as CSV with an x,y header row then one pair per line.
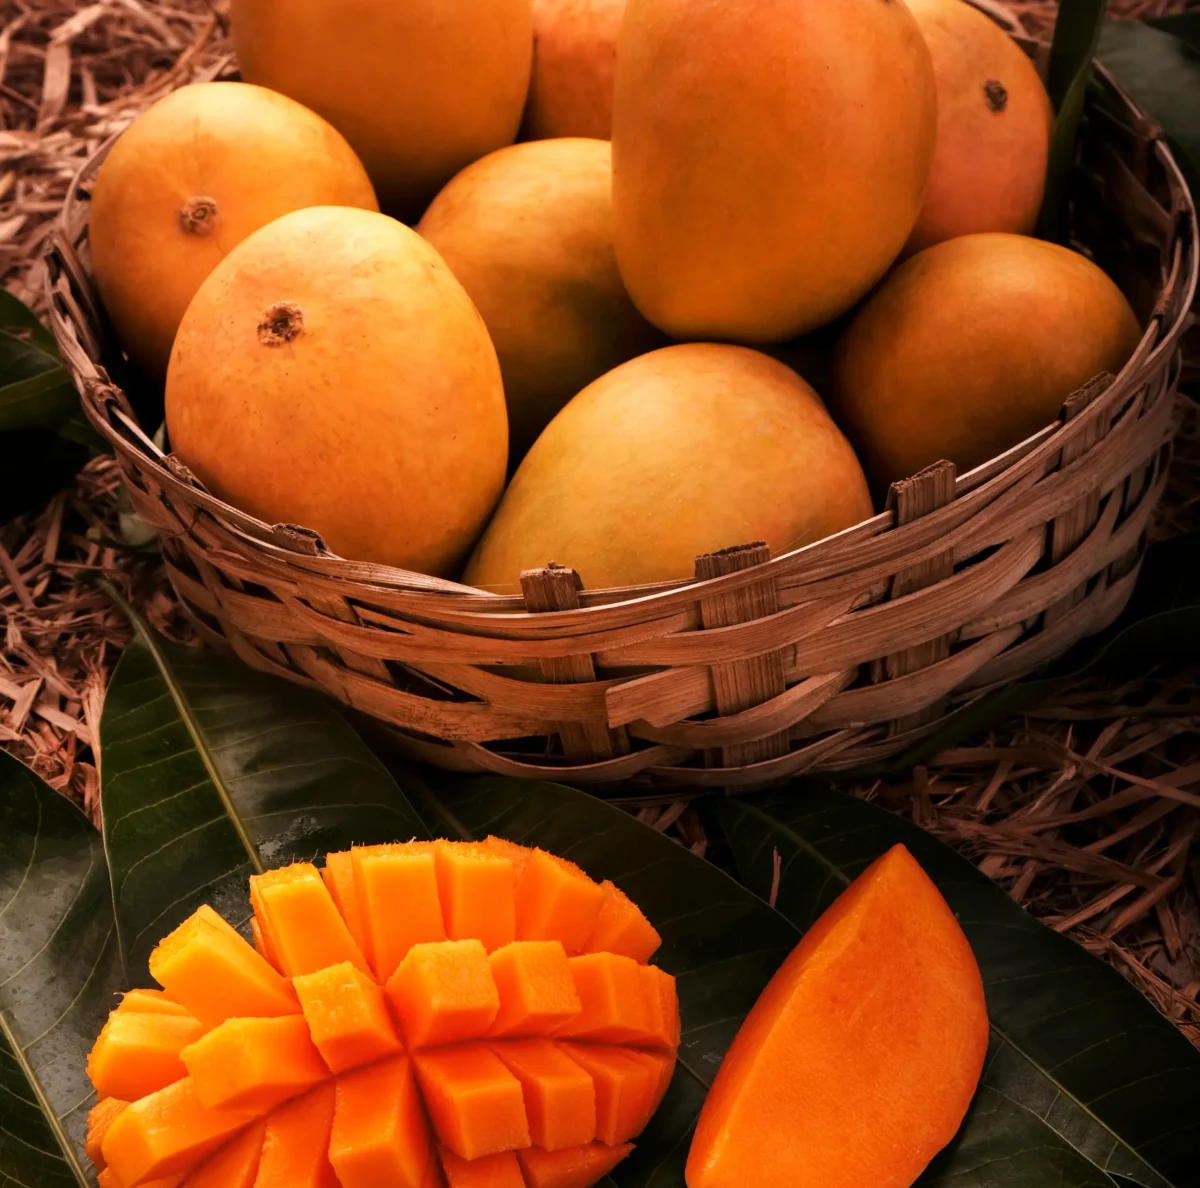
x,y
972,346
858,1062
769,159
686,450
332,373
574,59
420,89
528,233
192,177
993,128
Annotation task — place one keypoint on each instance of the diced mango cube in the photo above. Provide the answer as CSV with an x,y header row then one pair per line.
x,y
444,993
347,1017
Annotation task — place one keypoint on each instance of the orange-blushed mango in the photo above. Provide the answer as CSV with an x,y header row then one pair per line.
x,y
192,177
528,233
994,121
971,346
332,373
682,451
419,88
769,159
574,59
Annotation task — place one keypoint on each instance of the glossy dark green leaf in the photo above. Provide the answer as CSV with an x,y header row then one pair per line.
x,y
721,943
211,772
35,391
16,315
1184,25
1074,1045
59,972
1161,72
1076,35
1161,625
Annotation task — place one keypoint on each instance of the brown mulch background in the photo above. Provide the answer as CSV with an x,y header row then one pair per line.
x,y
1086,810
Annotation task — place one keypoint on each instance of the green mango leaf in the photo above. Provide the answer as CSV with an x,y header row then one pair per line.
x,y
1161,71
35,464
1184,25
212,772
1076,35
1160,625
59,972
1079,1061
721,943
35,391
16,315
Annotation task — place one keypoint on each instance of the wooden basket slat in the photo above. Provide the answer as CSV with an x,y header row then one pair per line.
x,y
842,652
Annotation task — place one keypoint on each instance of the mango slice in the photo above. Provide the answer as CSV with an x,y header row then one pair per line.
x,y
560,1098
380,1135
138,1054
536,989
579,1167
444,993
857,1064
388,1028
347,1017
235,1165
492,1171
254,1064
206,967
621,928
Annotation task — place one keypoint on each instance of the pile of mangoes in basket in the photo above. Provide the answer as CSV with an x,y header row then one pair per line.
x,y
653,278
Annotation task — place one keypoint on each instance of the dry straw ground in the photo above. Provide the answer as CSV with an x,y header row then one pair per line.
x,y
1085,810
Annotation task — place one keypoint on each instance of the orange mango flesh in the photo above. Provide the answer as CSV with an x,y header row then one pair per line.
x,y
235,1165
476,889
138,1054
614,1003
254,1064
555,900
100,1117
536,990
384,877
388,1028
625,1082
579,1167
166,1133
295,1150
857,1064
380,1135
347,1017
301,921
474,1102
150,1002
444,993
209,969
621,928
492,1171
560,1098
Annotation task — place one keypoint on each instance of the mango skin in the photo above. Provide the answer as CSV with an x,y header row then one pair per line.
x,y
972,346
769,159
420,88
574,60
682,451
527,231
332,373
994,124
255,154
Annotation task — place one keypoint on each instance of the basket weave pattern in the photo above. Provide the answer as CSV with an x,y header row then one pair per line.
x,y
837,654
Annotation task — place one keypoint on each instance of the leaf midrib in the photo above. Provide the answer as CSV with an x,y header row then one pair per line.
x,y
52,1119
199,741
807,847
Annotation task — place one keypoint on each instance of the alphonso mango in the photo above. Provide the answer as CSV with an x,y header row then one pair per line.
x,y
419,88
971,346
858,1062
769,159
505,1029
682,451
332,373
528,233
993,128
188,181
574,59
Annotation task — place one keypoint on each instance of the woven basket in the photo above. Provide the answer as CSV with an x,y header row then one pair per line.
x,y
837,654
